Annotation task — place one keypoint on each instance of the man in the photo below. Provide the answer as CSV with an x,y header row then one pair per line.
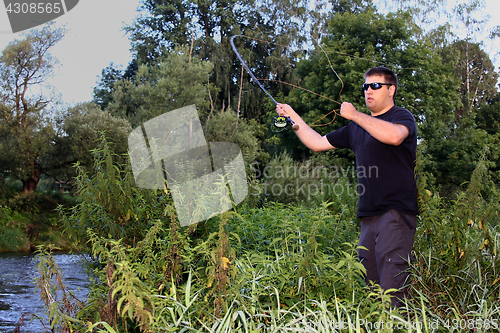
x,y
384,141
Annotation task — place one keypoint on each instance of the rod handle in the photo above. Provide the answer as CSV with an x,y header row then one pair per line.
x,y
294,125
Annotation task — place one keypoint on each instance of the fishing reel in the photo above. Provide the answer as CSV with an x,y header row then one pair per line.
x,y
282,122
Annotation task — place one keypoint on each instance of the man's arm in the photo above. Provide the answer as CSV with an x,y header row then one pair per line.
x,y
309,137
383,131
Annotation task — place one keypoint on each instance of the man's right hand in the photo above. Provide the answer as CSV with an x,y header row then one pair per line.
x,y
309,137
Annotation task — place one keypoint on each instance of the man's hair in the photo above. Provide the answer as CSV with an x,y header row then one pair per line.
x,y
386,73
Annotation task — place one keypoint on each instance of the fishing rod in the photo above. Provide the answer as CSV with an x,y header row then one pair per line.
x,y
279,121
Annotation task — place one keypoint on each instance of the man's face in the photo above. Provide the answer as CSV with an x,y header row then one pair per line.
x,y
379,100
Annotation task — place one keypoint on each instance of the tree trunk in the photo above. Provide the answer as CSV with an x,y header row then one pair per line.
x,y
30,184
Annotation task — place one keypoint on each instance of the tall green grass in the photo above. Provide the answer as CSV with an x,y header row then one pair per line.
x,y
278,267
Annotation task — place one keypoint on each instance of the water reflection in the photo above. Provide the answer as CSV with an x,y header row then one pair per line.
x,y
17,288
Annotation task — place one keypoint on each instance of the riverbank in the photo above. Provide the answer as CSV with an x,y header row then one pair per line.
x,y
16,239
30,220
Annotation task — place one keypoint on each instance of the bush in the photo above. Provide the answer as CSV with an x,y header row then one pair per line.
x,y
26,202
9,187
456,249
13,239
287,181
278,267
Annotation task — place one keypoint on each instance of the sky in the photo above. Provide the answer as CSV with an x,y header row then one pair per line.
x,y
95,39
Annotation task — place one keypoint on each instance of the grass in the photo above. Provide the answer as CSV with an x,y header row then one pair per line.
x,y
276,267
295,270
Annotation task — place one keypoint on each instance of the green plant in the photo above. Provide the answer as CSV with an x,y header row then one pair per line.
x,y
277,267
60,303
456,265
111,204
13,239
288,181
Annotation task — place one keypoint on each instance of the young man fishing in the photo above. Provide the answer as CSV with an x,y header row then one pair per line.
x,y
385,140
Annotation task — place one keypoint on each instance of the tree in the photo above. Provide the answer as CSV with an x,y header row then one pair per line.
x,y
206,28
103,93
226,126
488,116
423,13
176,81
351,6
81,129
27,133
162,25
475,71
469,136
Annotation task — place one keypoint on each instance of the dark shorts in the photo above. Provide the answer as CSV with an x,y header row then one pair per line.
x,y
388,239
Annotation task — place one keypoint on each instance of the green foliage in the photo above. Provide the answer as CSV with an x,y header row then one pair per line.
x,y
110,203
228,273
103,93
26,131
476,73
457,250
27,220
452,161
60,304
226,126
280,266
83,126
9,187
175,81
13,239
207,26
297,252
7,216
288,181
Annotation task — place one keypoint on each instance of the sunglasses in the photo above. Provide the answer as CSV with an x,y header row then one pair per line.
x,y
375,85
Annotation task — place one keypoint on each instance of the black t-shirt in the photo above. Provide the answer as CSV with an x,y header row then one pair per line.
x,y
386,173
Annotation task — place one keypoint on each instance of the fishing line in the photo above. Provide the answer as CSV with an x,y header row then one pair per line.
x,y
333,70
280,122
314,93
248,69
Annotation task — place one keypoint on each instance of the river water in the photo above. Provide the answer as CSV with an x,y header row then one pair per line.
x,y
17,289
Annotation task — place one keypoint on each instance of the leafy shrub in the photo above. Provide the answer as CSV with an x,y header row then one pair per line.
x,y
456,248
8,187
9,217
13,239
276,267
110,204
226,126
287,181
25,202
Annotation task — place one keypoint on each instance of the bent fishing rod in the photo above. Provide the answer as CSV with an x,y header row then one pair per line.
x,y
280,121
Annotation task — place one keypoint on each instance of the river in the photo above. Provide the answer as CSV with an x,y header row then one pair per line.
x,y
17,289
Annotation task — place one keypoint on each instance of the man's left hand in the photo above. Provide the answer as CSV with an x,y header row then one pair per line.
x,y
348,111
